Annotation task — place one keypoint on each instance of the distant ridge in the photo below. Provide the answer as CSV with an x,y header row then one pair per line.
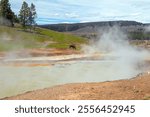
x,y
76,26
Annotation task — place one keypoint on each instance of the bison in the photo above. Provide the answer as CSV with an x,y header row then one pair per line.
x,y
72,46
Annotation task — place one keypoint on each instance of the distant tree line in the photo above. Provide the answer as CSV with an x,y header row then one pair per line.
x,y
26,17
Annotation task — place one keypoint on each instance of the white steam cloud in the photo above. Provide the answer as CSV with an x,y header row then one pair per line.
x,y
114,42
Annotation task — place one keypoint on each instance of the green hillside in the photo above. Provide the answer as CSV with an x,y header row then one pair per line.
x,y
16,38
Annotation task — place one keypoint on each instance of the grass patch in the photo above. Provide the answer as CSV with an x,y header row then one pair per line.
x,y
17,38
61,37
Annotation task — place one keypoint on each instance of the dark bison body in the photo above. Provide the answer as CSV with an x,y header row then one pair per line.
x,y
72,46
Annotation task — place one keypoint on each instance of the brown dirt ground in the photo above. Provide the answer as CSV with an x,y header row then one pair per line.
x,y
41,52
132,89
52,52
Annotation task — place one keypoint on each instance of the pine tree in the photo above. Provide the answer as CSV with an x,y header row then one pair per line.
x,y
16,19
32,15
24,14
6,13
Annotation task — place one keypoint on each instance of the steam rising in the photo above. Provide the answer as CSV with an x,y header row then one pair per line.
x,y
4,21
8,42
115,43
120,60
147,29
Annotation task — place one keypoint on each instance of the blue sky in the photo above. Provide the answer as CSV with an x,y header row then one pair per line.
x,y
75,11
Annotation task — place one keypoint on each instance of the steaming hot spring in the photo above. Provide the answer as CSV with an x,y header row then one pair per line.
x,y
16,79
115,59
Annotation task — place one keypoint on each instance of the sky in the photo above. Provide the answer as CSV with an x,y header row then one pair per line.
x,y
78,11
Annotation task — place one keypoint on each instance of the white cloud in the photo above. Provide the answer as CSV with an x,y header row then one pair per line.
x,y
88,10
71,15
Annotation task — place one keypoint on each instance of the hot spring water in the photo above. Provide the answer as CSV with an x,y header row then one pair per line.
x,y
17,80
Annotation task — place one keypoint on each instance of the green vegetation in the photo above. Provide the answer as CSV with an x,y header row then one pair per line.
x,y
26,18
62,39
6,14
27,15
139,35
16,38
25,35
